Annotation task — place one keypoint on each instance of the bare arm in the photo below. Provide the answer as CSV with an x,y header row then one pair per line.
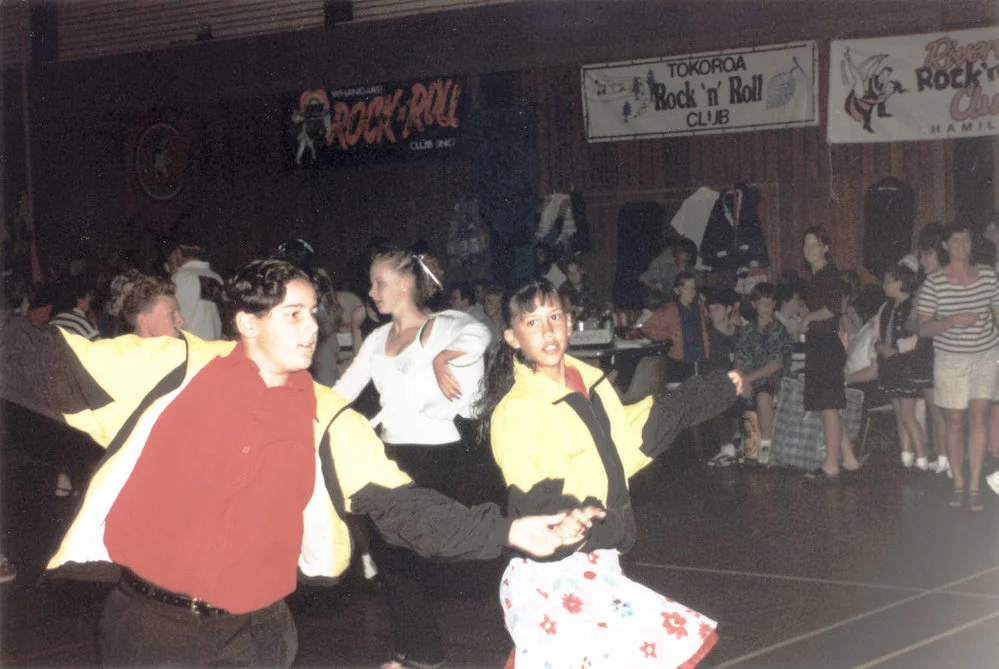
x,y
356,318
823,314
764,371
931,327
869,373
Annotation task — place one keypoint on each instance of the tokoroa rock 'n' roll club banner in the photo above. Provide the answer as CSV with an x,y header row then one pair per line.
x,y
377,122
762,88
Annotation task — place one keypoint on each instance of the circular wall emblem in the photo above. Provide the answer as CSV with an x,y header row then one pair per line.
x,y
161,159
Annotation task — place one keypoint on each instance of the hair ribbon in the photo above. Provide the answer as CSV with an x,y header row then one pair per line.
x,y
419,259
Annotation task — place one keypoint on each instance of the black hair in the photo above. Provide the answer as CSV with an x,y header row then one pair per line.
x,y
851,282
824,239
930,238
465,291
908,276
954,228
764,289
684,276
498,379
786,291
256,288
687,246
723,296
869,300
760,291
71,289
300,253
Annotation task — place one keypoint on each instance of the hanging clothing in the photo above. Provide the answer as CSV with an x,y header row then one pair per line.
x,y
691,219
467,237
734,238
562,225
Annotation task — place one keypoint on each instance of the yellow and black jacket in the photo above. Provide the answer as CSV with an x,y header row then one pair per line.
x,y
558,449
116,389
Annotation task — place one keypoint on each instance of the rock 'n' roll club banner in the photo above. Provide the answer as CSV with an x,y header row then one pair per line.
x,y
377,122
762,88
914,87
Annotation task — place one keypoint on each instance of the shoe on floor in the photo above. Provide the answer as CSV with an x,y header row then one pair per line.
x,y
943,467
922,464
908,459
720,461
975,503
725,457
993,481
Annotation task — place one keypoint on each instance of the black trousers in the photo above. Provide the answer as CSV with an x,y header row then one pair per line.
x,y
136,631
464,472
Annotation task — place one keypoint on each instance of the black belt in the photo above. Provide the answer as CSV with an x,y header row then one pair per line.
x,y
139,585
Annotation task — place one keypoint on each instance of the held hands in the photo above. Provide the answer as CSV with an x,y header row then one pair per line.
x,y
445,379
541,536
736,379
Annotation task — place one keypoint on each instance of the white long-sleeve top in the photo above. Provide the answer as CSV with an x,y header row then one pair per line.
x,y
201,316
414,410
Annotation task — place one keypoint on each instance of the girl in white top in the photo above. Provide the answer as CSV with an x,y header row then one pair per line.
x,y
958,307
426,368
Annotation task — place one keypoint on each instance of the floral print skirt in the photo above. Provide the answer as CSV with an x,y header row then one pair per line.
x,y
582,611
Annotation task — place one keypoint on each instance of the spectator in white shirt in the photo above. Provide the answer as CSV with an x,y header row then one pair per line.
x,y
199,291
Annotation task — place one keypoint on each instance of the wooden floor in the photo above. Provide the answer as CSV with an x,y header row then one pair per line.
x,y
873,571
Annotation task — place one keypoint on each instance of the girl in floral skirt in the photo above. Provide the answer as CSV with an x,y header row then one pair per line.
x,y
562,438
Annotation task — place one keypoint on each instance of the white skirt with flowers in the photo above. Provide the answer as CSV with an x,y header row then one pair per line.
x,y
582,611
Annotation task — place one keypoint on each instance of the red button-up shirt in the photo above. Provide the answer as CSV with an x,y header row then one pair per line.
x,y
214,505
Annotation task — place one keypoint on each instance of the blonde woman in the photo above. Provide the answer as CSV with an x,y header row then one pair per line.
x,y
427,368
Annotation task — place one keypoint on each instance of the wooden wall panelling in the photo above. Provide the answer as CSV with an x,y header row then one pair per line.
x,y
545,141
14,17
696,159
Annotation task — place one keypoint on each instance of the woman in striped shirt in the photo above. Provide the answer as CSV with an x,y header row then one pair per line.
x,y
958,307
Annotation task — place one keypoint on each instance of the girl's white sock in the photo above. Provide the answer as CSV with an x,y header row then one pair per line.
x,y
368,565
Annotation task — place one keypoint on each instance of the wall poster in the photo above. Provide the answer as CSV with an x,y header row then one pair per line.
x,y
761,88
390,121
914,87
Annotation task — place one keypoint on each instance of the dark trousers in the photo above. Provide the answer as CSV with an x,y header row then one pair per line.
x,y
460,471
136,631
410,579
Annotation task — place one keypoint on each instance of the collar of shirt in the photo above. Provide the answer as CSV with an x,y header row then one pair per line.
x,y
298,382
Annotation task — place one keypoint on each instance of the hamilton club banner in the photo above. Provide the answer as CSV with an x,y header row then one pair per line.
x,y
389,121
762,88
914,87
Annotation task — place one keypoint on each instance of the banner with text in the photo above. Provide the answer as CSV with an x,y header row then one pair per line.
x,y
396,121
914,87
763,88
